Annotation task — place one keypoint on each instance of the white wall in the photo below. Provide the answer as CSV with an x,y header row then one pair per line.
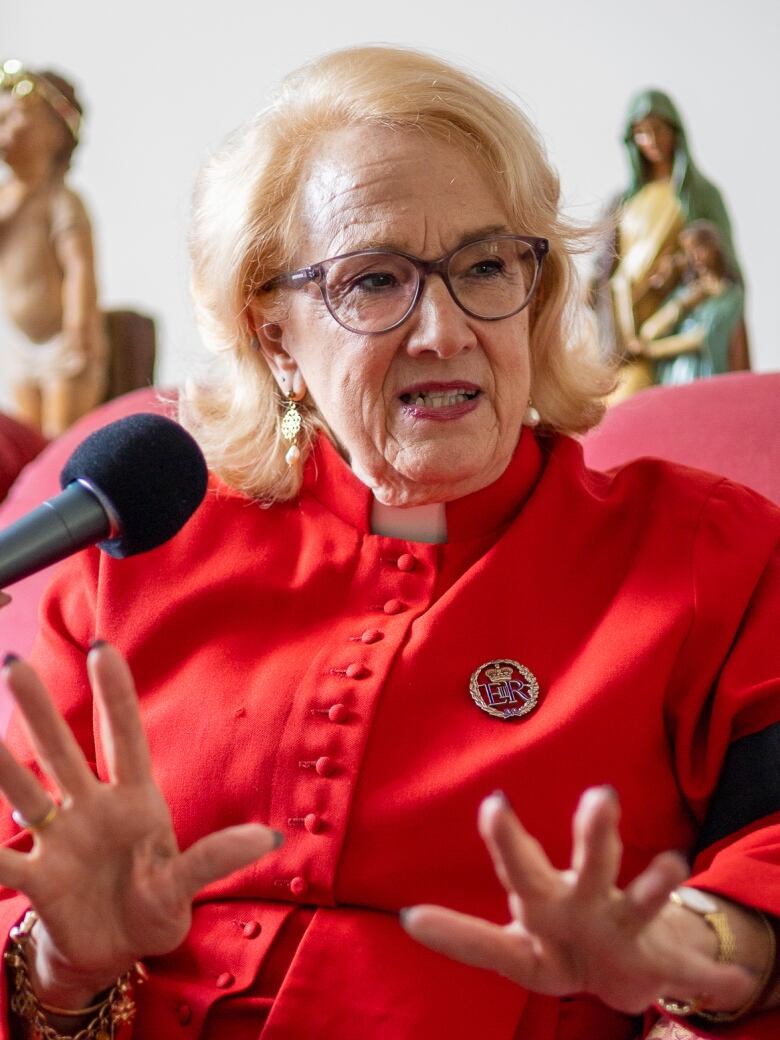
x,y
164,81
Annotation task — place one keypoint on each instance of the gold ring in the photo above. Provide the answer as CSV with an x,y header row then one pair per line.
x,y
41,823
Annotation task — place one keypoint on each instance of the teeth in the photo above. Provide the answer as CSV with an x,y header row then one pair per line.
x,y
440,399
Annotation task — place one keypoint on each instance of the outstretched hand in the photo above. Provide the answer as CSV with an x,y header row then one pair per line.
x,y
574,931
105,873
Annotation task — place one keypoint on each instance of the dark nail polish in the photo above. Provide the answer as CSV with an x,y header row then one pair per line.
x,y
9,659
278,839
97,643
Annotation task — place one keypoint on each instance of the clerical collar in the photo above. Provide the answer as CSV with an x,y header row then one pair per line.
x,y
328,478
414,523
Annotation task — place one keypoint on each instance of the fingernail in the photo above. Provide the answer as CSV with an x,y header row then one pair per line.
x,y
499,796
96,644
611,791
403,915
278,839
9,659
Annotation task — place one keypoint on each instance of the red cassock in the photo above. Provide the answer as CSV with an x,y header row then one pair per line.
x,y
297,670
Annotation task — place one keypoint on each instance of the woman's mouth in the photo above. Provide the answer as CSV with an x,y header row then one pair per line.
x,y
440,400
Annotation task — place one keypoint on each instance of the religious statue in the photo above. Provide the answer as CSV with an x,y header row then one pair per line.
x,y
638,270
57,356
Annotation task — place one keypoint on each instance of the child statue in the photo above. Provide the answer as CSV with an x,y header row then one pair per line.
x,y
47,273
693,333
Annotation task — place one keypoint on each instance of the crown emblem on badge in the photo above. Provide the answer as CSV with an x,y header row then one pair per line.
x,y
504,689
498,674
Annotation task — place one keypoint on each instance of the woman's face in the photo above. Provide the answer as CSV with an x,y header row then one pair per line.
x,y
372,187
655,140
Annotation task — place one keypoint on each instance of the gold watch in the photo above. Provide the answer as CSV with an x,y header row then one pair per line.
x,y
704,905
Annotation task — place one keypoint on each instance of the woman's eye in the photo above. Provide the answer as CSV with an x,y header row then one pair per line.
x,y
487,267
374,282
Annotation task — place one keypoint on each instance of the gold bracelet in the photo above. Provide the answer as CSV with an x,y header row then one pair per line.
x,y
116,1008
763,982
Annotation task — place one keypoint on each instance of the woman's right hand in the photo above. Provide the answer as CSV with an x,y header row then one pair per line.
x,y
105,876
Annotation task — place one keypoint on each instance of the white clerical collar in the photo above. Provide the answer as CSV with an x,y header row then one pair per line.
x,y
413,524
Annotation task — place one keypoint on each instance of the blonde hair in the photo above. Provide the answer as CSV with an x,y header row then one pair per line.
x,y
243,234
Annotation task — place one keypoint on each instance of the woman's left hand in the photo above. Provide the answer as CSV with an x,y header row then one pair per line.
x,y
574,931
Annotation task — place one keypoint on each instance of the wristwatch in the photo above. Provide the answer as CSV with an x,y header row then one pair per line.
x,y
704,905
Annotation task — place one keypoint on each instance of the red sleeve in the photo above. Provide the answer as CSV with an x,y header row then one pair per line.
x,y
724,720
726,737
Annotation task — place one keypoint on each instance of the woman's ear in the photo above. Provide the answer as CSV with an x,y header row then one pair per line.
x,y
270,342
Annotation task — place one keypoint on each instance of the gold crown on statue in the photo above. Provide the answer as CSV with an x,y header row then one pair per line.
x,y
499,674
22,83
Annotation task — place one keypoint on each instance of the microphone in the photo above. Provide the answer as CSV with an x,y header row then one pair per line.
x,y
128,487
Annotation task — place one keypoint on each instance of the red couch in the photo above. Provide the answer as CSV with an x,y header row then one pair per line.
x,y
728,424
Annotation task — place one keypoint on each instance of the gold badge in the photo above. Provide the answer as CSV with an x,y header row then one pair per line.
x,y
504,688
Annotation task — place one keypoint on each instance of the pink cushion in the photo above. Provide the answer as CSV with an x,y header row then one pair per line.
x,y
39,481
19,444
729,425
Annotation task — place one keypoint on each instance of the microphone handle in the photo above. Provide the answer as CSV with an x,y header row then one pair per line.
x,y
59,527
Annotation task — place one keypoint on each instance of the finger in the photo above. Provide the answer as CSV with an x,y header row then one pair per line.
x,y
54,745
471,940
649,892
219,854
597,848
718,986
15,870
126,750
519,860
22,788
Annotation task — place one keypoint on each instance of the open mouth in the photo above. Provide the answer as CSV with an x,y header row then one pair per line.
x,y
439,398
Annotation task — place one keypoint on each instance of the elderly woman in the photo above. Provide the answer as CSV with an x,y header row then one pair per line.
x,y
404,591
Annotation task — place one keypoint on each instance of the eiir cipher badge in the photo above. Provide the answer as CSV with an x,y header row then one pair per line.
x,y
505,689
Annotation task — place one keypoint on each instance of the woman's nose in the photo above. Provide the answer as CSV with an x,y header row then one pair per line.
x,y
438,325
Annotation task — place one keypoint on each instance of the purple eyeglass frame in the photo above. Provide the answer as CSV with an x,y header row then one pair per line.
x,y
318,272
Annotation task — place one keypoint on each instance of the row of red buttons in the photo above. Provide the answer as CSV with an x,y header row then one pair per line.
x,y
324,766
338,713
250,930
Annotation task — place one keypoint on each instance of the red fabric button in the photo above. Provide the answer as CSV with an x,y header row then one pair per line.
x,y
371,635
299,886
252,929
406,562
312,822
225,980
184,1014
394,606
338,712
325,766
356,671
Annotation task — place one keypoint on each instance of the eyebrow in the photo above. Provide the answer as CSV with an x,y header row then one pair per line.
x,y
396,246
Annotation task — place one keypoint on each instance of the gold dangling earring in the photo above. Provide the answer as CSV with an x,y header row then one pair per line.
x,y
531,417
291,427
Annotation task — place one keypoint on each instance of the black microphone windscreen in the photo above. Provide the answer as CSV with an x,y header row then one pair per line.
x,y
150,470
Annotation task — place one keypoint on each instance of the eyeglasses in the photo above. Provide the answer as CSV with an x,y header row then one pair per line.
x,y
376,290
